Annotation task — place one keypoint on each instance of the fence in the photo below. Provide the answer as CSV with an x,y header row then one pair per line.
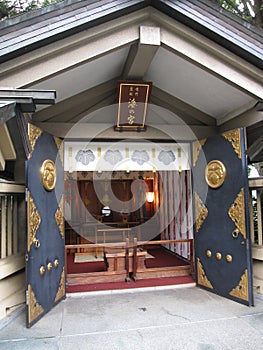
x,y
12,228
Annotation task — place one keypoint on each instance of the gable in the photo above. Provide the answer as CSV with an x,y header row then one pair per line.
x,y
205,75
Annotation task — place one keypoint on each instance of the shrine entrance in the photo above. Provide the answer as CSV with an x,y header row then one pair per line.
x,y
131,219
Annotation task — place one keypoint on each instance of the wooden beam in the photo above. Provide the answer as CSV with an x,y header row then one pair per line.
x,y
141,55
11,188
7,111
246,119
256,183
69,108
106,131
38,96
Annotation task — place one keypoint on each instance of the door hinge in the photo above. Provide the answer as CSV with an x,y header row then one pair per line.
x,y
26,195
27,297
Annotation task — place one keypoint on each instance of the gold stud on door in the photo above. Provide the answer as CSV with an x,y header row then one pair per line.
x,y
218,256
229,258
208,253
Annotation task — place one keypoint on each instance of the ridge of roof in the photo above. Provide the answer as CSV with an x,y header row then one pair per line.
x,y
27,32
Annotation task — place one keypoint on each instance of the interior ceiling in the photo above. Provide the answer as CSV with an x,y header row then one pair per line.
x,y
183,89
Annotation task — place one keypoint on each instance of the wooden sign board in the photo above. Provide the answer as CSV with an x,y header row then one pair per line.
x,y
133,100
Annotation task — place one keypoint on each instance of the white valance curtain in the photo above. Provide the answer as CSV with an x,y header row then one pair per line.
x,y
126,156
176,212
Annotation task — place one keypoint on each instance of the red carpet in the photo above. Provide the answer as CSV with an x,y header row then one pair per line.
x,y
162,258
96,266
150,282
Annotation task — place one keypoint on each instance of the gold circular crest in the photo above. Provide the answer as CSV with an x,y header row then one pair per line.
x,y
215,173
48,175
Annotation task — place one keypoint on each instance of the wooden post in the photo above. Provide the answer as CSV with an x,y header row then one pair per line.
x,y
192,255
66,265
127,261
135,258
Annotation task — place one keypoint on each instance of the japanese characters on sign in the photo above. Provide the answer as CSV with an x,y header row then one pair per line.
x,y
132,108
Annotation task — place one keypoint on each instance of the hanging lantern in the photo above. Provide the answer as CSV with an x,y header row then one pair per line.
x,y
150,197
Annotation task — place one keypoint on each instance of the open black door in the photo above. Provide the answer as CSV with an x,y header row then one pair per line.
x,y
222,238
45,273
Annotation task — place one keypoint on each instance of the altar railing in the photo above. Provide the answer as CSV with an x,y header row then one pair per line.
x,y
130,250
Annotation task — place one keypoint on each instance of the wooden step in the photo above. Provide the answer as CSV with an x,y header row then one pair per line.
x,y
119,276
95,277
159,272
